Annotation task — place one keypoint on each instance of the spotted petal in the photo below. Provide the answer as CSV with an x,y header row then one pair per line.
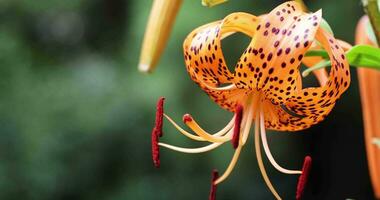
x,y
273,58
205,60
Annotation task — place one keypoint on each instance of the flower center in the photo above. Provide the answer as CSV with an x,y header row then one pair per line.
x,y
237,131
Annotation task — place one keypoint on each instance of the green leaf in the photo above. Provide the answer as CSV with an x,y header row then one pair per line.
x,y
321,53
364,56
326,26
358,56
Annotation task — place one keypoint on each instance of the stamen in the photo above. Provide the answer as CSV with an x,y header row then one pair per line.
x,y
236,136
247,123
215,175
192,124
230,166
159,116
267,150
260,160
303,178
155,148
191,150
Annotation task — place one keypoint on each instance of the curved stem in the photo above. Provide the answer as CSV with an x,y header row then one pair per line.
x,y
372,9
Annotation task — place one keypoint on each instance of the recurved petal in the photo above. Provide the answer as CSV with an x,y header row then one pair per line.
x,y
277,48
321,74
205,60
315,103
203,52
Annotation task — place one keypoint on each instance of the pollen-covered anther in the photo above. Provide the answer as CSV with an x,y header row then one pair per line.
x,y
236,136
155,148
302,181
214,177
159,116
187,118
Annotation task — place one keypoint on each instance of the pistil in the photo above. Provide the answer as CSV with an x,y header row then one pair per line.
x,y
193,125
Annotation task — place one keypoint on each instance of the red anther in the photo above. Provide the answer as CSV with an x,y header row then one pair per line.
x,y
159,116
238,118
215,176
187,118
155,148
302,180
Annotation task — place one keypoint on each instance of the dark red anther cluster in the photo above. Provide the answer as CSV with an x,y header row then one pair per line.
x,y
302,180
238,118
215,176
159,115
157,132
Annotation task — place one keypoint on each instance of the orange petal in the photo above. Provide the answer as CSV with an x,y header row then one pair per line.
x,y
205,60
369,82
315,103
275,52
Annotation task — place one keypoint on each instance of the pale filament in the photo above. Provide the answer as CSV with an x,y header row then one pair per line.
x,y
260,160
247,118
230,166
191,150
267,150
248,123
195,150
197,138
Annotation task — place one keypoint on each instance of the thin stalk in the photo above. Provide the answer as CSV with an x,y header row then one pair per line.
x,y
371,7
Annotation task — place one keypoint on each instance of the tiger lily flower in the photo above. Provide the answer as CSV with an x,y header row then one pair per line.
x,y
369,83
265,89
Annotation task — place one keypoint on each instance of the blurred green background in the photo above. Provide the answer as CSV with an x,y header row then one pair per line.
x,y
76,115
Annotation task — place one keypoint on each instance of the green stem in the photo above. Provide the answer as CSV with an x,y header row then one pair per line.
x,y
372,9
